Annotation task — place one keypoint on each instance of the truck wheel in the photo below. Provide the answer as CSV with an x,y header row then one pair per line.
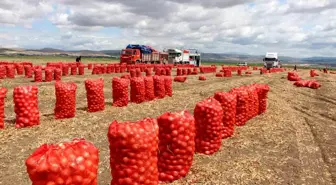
x,y
181,62
138,61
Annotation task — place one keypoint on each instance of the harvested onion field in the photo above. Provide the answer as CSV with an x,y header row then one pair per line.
x,y
292,143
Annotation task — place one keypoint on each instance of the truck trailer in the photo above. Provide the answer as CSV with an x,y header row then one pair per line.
x,y
184,56
135,53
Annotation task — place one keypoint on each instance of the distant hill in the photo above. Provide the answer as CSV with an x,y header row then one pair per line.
x,y
48,50
242,57
209,57
111,52
52,52
329,61
320,59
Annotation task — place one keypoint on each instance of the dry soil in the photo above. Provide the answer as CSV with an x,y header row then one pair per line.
x,y
292,143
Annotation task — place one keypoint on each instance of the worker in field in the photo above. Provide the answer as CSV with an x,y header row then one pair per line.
x,y
78,59
295,68
325,70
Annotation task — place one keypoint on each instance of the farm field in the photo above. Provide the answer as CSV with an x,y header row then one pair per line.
x,y
292,143
44,59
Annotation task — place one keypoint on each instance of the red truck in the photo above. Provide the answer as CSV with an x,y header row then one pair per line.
x,y
133,54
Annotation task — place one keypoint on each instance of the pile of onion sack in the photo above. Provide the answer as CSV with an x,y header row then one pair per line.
x,y
308,83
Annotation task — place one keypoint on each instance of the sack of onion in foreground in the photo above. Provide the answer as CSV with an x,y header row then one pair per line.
x,y
176,145
133,152
74,162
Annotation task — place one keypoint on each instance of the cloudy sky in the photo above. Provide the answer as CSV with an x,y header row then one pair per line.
x,y
290,27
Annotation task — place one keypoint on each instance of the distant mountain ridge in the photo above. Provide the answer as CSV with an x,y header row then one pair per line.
x,y
211,57
48,50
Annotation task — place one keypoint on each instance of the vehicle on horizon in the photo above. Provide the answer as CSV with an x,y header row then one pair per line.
x,y
135,53
271,61
184,56
242,64
194,57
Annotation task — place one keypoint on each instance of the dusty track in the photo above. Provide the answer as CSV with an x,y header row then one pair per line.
x,y
292,143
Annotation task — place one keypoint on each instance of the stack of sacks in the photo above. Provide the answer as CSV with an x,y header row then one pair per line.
x,y
308,83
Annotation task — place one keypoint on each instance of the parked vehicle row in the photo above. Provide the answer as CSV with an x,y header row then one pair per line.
x,y
135,53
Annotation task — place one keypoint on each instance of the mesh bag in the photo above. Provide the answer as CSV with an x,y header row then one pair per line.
x,y
138,93
208,120
73,69
159,87
81,69
28,71
57,74
176,145
95,95
202,78
242,105
3,72
65,106
10,69
38,75
229,106
74,162
149,88
168,85
48,75
65,70
26,106
180,79
120,91
19,69
3,92
133,152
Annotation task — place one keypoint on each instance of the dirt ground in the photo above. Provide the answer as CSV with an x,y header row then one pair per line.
x,y
292,143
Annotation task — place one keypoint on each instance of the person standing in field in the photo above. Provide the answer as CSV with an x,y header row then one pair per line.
x,y
325,70
295,68
78,59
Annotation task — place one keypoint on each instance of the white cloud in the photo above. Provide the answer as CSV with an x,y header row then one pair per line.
x,y
306,6
23,12
256,26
